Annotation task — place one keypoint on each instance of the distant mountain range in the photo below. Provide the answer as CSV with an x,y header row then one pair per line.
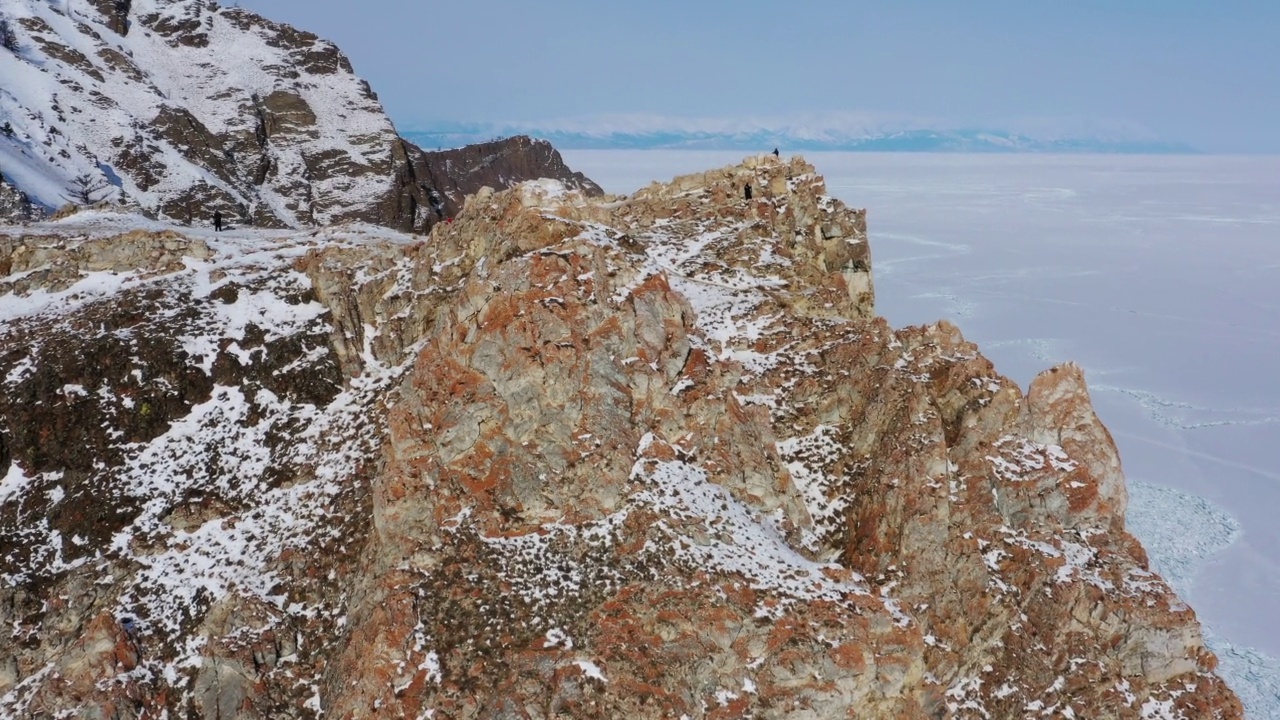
x,y
675,134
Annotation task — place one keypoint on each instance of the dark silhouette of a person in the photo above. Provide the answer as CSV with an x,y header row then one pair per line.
x,y
217,221
437,203
775,152
746,192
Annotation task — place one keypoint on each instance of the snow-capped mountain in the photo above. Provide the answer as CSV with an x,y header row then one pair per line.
x,y
845,132
182,107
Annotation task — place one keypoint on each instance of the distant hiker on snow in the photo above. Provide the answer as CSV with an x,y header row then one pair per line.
x,y
746,192
217,221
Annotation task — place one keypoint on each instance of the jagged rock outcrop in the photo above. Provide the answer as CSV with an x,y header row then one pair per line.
x,y
182,107
15,206
455,174
630,457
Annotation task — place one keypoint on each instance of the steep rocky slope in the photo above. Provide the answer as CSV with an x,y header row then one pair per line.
x,y
455,174
626,457
181,107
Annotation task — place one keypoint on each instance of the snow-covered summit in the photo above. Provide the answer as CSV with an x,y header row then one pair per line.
x,y
184,107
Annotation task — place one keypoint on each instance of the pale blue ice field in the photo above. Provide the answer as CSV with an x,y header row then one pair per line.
x,y
1160,275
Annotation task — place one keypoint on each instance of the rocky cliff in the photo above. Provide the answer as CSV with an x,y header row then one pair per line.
x,y
652,456
181,107
455,174
15,206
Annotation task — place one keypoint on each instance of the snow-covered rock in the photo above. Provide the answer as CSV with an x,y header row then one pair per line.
x,y
649,456
183,108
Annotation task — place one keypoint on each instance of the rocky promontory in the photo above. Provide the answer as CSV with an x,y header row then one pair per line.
x,y
646,456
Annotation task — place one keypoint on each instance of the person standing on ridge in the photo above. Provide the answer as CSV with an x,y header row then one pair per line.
x,y
217,221
746,192
775,153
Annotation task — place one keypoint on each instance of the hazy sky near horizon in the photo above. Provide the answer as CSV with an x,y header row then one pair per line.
x,y
1205,73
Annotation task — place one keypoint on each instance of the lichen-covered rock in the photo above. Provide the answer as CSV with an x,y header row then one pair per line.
x,y
651,456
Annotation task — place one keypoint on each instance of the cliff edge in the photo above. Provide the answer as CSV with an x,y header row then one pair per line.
x,y
646,456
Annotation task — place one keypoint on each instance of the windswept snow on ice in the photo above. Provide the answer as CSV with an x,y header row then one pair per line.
x,y
1203,529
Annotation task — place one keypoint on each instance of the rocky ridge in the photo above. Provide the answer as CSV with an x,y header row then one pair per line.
x,y
15,206
178,108
649,456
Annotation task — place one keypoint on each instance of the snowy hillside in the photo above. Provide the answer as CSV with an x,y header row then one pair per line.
x,y
182,107
634,457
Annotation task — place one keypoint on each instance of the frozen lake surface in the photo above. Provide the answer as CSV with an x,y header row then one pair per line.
x,y
1160,276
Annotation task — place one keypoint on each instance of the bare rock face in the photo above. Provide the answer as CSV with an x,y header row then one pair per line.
x,y
115,13
15,206
652,456
183,108
455,174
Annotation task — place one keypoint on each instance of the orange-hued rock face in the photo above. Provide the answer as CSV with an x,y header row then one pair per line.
x,y
656,456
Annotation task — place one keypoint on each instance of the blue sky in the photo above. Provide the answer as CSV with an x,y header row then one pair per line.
x,y
1205,73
